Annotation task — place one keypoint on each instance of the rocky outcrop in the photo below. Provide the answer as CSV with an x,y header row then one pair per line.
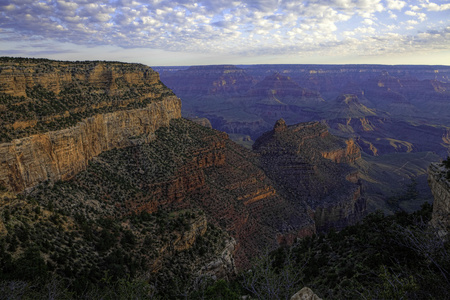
x,y
59,115
180,240
439,183
314,169
186,166
19,75
349,154
59,155
202,121
305,294
223,266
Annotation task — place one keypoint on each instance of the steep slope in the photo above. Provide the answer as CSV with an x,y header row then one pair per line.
x,y
188,167
347,106
439,181
56,116
312,168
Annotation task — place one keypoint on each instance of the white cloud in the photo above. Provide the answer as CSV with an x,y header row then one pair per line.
x,y
368,22
213,26
392,15
436,7
395,4
421,16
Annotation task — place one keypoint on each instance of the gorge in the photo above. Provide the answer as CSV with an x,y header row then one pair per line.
x,y
119,170
100,175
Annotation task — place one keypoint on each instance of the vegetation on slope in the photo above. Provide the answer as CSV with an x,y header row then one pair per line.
x,y
383,257
64,102
95,231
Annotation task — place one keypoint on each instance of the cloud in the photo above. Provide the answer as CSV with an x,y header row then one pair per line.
x,y
395,4
436,7
214,26
392,15
421,16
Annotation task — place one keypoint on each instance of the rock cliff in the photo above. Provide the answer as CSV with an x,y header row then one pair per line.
x,y
18,75
439,182
123,105
186,166
313,169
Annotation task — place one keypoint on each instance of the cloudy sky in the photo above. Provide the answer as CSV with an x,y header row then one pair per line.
x,y
185,32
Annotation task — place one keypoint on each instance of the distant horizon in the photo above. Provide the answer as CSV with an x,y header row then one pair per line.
x,y
228,64
218,32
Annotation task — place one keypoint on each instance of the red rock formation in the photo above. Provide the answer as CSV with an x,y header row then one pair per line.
x,y
312,167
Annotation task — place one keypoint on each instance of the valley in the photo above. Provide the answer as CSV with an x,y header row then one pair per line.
x,y
386,110
114,180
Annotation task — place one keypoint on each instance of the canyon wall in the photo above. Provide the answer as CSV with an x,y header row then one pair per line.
x,y
18,75
58,155
314,169
440,187
56,116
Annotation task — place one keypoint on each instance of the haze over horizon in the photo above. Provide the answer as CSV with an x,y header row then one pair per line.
x,y
184,32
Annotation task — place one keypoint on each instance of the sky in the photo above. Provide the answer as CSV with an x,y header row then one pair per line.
x,y
185,32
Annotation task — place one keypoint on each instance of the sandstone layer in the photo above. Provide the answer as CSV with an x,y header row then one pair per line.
x,y
57,116
59,155
18,75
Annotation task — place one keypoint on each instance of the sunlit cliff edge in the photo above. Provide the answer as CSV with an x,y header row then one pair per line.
x,y
117,105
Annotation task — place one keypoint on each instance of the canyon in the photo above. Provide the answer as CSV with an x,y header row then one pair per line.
x,y
97,161
394,114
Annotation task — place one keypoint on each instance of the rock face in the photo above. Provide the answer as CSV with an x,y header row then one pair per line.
x,y
187,166
223,266
58,155
305,294
113,123
313,169
440,187
18,75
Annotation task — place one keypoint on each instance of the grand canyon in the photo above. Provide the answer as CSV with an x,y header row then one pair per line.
x,y
175,179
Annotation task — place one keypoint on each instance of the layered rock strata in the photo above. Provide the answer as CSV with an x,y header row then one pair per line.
x,y
440,187
313,170
187,166
59,155
56,116
19,74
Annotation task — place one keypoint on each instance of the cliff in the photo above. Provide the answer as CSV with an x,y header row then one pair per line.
x,y
439,183
19,75
64,114
313,169
186,166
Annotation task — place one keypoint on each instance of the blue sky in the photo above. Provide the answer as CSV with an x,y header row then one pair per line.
x,y
184,32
